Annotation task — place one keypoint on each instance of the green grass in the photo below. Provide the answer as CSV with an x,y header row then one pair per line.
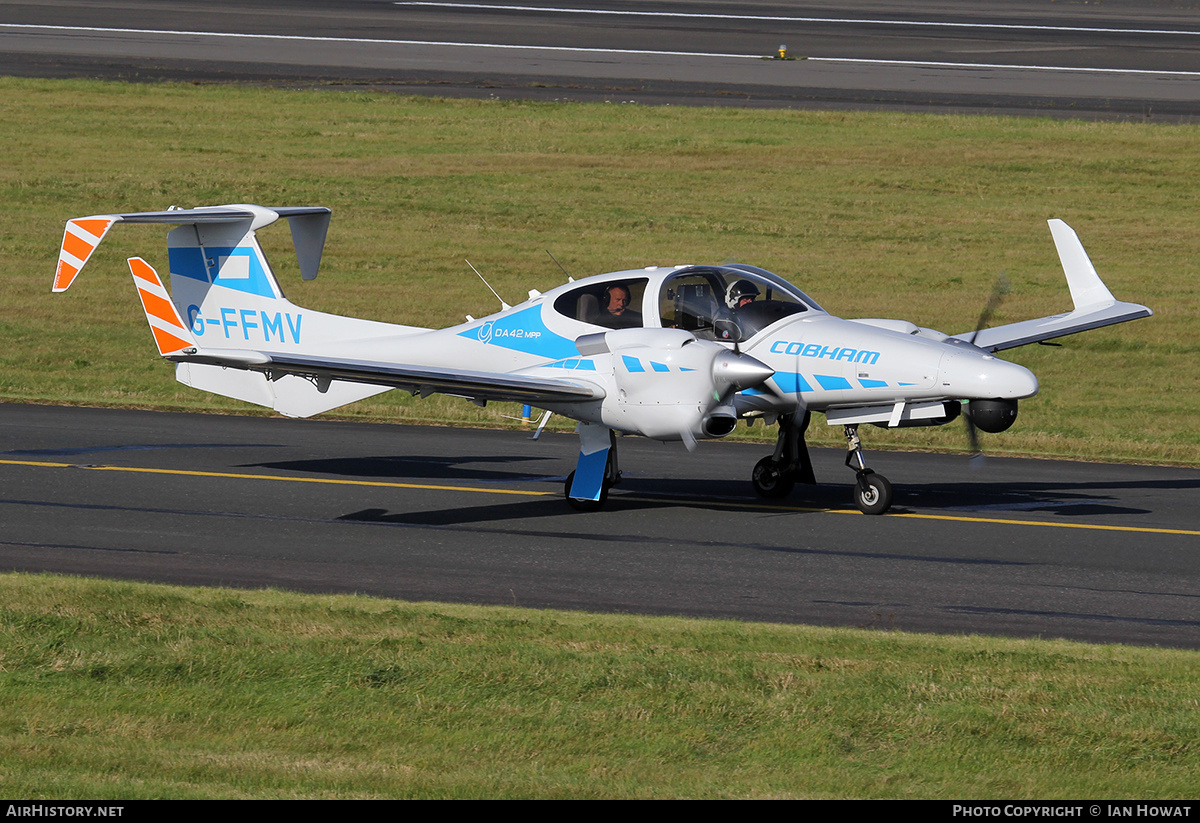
x,y
874,214
124,690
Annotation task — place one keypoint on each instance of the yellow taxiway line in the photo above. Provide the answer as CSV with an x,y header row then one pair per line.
x,y
529,493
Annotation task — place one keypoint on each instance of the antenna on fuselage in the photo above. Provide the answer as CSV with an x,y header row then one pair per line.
x,y
570,279
503,305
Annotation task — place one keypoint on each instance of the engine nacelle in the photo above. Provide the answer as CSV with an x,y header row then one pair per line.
x,y
992,416
720,422
670,385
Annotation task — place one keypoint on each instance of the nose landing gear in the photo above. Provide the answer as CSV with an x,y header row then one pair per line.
x,y
872,492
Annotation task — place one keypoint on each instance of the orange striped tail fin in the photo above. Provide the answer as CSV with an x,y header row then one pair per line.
x,y
80,239
171,336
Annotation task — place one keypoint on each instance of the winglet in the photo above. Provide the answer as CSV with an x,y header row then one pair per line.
x,y
1095,306
80,238
1087,289
170,335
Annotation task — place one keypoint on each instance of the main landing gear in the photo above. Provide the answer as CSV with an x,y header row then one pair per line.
x,y
612,476
775,476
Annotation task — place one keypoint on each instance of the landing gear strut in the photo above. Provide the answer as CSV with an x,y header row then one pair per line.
x,y
774,476
872,492
612,476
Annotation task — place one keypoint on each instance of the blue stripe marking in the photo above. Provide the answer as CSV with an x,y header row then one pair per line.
x,y
659,366
791,382
191,262
872,384
573,363
831,382
187,262
632,364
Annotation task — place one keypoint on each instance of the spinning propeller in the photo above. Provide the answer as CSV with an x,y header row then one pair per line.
x,y
1000,290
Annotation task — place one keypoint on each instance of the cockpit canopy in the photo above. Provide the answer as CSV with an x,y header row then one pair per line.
x,y
730,303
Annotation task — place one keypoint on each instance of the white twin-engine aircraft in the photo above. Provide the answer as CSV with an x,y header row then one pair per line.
x,y
671,353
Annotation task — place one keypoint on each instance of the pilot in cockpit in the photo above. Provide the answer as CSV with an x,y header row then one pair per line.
x,y
616,313
730,325
740,293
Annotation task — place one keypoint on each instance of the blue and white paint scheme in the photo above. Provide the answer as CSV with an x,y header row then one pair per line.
x,y
672,353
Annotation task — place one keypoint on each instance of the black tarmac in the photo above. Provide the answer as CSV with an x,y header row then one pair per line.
x,y
1093,552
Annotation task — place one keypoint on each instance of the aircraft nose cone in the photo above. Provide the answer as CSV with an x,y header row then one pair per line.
x,y
739,371
968,375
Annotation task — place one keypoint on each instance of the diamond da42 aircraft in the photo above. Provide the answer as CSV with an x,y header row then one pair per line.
x,y
670,353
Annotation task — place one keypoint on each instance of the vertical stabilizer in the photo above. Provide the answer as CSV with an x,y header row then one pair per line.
x,y
170,335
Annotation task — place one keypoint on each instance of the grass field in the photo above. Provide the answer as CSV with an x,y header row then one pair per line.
x,y
874,214
122,690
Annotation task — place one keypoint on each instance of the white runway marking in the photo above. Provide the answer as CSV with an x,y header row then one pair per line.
x,y
793,19
579,50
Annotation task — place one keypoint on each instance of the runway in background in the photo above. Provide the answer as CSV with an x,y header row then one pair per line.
x,y
1122,58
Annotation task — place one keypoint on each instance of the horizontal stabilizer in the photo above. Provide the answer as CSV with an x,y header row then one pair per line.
x,y
83,235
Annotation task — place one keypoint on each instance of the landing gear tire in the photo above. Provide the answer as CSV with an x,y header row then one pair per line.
x,y
872,493
585,505
770,481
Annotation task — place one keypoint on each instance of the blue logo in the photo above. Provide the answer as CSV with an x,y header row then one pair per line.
x,y
523,331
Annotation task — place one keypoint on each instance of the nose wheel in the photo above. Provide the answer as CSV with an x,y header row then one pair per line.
x,y
775,476
872,492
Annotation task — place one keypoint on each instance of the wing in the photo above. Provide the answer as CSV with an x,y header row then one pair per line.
x,y
476,385
1095,306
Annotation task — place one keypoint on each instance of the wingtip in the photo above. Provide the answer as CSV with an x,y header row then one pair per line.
x,y
81,237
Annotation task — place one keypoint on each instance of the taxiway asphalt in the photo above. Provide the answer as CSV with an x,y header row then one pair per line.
x,y
1103,553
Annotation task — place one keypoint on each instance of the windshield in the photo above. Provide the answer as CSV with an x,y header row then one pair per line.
x,y
727,302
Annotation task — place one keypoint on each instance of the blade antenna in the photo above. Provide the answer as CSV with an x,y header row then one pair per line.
x,y
541,425
503,305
